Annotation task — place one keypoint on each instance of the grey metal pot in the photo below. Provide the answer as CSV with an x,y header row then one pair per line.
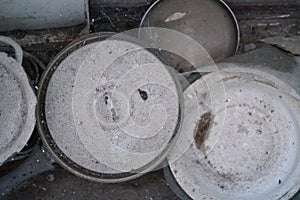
x,y
17,103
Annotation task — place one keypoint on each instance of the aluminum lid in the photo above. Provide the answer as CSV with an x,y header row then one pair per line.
x,y
108,109
17,108
239,138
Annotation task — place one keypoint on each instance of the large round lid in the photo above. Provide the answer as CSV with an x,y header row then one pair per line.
x,y
17,107
240,137
108,109
209,22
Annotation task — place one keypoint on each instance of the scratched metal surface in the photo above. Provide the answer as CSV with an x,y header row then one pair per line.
x,y
258,19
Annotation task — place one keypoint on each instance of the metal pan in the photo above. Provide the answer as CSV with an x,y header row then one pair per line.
x,y
107,109
241,143
209,22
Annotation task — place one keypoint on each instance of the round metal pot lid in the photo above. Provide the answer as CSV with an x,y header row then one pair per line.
x,y
209,22
108,109
239,140
17,108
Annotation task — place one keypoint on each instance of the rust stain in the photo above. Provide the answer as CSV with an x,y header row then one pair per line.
x,y
201,131
231,78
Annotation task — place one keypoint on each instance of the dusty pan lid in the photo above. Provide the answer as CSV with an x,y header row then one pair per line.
x,y
17,107
108,109
239,138
209,22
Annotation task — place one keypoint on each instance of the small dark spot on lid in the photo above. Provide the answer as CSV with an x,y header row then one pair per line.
x,y
250,113
222,186
204,95
280,96
110,52
143,94
97,89
175,171
279,181
105,99
267,153
272,111
198,162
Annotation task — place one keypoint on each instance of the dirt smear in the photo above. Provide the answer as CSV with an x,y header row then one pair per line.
x,y
201,130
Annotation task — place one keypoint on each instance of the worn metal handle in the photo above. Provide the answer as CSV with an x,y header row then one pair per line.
x,y
18,50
